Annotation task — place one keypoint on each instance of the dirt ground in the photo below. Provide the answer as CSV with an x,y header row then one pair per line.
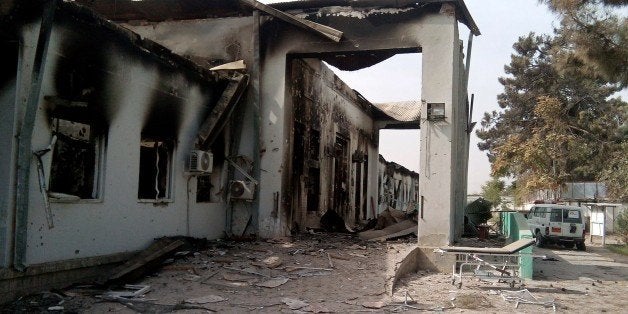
x,y
339,273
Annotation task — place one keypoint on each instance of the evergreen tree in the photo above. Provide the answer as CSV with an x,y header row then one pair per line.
x,y
593,37
558,123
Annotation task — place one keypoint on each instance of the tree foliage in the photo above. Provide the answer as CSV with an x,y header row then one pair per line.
x,y
493,191
593,37
621,226
558,123
480,210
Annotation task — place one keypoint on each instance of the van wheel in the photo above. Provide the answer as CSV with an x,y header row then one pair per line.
x,y
538,240
581,246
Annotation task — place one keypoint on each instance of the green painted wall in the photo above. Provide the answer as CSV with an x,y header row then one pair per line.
x,y
515,227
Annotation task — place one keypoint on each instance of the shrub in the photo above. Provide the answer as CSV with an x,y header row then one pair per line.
x,y
480,210
621,226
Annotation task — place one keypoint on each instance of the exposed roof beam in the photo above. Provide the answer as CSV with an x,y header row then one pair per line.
x,y
320,29
221,112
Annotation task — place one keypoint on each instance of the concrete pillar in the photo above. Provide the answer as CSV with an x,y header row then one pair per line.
x,y
439,139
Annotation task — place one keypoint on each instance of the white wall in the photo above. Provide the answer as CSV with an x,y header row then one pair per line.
x,y
118,222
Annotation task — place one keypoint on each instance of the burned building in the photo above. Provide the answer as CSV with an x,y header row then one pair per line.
x,y
124,121
398,187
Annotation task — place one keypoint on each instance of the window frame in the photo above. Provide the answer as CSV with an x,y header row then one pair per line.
x,y
99,164
169,197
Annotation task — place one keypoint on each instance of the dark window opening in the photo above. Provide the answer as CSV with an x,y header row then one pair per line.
x,y
314,189
155,169
75,159
298,153
341,175
358,191
9,55
315,143
365,181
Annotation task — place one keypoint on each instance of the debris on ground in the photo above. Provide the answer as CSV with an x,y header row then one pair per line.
x,y
294,304
332,222
525,297
206,299
373,305
400,229
295,274
139,264
273,283
471,301
131,291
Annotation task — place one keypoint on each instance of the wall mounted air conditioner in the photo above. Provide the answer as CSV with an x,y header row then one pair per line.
x,y
200,162
242,190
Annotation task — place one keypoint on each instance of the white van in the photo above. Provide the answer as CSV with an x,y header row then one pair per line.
x,y
561,224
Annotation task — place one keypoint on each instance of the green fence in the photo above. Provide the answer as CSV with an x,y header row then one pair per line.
x,y
515,227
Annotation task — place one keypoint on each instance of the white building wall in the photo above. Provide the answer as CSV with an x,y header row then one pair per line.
x,y
118,222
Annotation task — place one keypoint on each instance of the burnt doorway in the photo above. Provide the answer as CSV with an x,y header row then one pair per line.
x,y
341,175
361,179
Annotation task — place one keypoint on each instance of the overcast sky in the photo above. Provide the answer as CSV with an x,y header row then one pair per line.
x,y
399,78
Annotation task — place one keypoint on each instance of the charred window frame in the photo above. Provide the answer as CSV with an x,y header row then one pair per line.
x,y
77,160
155,173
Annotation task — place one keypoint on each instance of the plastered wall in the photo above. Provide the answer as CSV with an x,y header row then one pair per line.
x,y
133,91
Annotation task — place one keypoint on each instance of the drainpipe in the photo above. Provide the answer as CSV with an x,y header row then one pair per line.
x,y
25,155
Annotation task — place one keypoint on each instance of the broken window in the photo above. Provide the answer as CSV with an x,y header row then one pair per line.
x,y
155,169
76,159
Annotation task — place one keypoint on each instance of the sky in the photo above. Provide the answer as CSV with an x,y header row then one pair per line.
x,y
399,78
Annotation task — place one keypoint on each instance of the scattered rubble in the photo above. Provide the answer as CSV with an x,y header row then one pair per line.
x,y
294,274
525,297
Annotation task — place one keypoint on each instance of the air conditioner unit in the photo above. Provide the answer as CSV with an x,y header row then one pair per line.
x,y
200,162
242,190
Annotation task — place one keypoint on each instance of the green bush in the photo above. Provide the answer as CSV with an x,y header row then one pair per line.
x,y
480,210
621,226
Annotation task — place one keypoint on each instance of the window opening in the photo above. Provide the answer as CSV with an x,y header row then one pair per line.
x,y
155,169
556,215
76,159
572,216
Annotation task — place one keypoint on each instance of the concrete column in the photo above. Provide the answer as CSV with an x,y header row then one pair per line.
x,y
439,139
274,143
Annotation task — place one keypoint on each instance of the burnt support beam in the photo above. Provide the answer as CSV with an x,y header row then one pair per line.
x,y
325,31
219,116
25,154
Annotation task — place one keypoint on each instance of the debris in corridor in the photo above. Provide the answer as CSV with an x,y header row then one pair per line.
x,y
206,299
525,297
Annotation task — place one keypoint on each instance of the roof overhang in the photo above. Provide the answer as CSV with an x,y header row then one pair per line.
x,y
462,12
164,10
161,10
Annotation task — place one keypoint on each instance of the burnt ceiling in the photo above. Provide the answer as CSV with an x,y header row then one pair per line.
x,y
163,10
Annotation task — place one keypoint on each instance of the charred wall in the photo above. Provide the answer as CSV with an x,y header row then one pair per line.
x,y
111,104
211,42
9,53
398,187
332,141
